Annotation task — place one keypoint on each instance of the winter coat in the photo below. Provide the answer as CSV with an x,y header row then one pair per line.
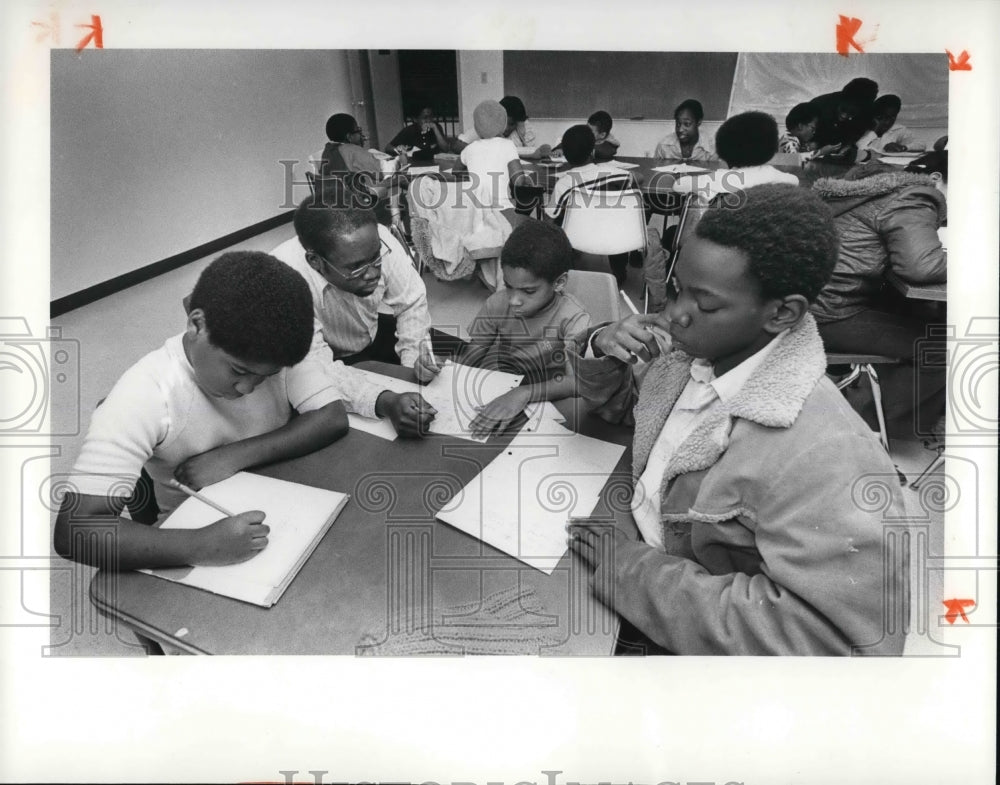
x,y
770,544
888,221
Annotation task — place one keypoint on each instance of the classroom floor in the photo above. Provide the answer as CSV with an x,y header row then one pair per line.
x,y
117,330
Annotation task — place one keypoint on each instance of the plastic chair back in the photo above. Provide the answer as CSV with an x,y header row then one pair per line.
x,y
605,217
597,293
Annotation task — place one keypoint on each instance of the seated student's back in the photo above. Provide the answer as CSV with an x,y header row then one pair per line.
x,y
578,146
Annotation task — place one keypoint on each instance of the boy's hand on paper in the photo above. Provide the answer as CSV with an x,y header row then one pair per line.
x,y
894,147
230,540
630,339
500,412
409,413
206,468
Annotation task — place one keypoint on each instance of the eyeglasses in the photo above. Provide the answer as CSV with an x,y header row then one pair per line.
x,y
358,272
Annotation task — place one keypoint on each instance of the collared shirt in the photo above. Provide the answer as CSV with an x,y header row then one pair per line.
x,y
578,175
349,322
703,394
670,148
898,134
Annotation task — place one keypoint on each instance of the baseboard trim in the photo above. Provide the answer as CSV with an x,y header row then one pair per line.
x,y
118,283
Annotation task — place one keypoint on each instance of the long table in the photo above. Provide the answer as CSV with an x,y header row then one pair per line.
x,y
386,565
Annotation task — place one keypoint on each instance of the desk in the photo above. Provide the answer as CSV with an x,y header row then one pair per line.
x,y
937,292
385,562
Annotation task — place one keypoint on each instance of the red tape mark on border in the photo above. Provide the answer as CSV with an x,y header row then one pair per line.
x,y
961,64
847,28
96,34
956,609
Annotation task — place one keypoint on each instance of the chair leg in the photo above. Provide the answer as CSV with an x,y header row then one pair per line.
x,y
877,397
850,378
933,466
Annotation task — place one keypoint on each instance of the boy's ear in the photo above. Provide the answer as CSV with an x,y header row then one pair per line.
x,y
560,283
196,322
788,313
187,303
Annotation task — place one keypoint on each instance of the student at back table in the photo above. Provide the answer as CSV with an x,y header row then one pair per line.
x,y
353,266
578,147
212,401
746,457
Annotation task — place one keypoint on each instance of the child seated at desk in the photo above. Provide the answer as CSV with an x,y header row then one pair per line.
x,y
800,129
214,400
886,134
746,457
746,142
529,326
578,146
685,143
493,163
605,145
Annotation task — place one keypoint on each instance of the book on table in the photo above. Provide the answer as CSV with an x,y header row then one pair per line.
x,y
297,515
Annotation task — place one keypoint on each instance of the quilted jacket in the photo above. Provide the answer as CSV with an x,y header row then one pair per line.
x,y
888,221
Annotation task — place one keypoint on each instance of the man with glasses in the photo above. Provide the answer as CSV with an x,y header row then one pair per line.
x,y
355,268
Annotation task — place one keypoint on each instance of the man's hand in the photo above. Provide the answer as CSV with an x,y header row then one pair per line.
x,y
206,468
894,147
409,413
230,540
500,412
631,339
426,366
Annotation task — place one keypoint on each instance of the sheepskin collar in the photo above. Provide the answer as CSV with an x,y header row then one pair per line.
x,y
773,396
868,187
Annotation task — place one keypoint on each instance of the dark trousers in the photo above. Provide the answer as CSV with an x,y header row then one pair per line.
x,y
382,348
913,393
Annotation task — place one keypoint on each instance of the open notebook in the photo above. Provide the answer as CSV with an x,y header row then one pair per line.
x,y
298,516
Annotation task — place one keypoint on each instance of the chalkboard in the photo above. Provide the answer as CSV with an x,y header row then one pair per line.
x,y
626,84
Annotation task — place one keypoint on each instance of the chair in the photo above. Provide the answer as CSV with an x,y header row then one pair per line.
x,y
605,216
866,363
597,293
685,219
416,261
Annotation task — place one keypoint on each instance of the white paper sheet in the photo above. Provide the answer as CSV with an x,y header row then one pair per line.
x,y
296,514
456,393
680,169
521,502
622,165
422,169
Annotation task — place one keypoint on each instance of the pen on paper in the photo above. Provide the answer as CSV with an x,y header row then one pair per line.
x,y
204,499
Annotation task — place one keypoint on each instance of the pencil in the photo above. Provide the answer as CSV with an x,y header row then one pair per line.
x,y
430,352
204,499
628,302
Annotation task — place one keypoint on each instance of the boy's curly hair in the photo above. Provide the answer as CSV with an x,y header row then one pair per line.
x,y
540,248
787,234
747,139
256,308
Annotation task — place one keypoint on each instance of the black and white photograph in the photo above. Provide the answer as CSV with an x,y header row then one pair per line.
x,y
542,367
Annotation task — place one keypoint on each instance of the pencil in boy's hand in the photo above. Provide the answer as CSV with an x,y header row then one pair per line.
x,y
204,499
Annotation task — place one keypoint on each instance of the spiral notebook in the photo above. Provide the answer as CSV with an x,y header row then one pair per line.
x,y
298,516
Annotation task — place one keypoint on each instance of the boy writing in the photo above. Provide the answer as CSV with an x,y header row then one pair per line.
x,y
212,401
529,326
745,455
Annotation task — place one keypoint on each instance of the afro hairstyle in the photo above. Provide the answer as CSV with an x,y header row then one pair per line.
x,y
747,139
787,235
578,144
256,308
539,247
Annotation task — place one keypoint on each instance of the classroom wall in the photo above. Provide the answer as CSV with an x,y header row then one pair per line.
x,y
155,152
480,76
640,137
388,95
